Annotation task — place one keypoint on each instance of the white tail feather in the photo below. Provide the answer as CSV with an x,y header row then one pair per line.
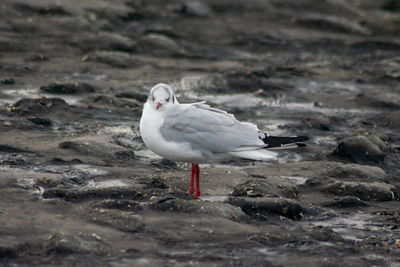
x,y
260,154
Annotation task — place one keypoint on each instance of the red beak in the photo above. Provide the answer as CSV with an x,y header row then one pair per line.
x,y
158,105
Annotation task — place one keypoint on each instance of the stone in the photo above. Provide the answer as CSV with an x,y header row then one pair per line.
x,y
122,220
364,191
347,202
359,149
261,208
216,209
74,195
196,8
356,171
67,88
159,45
266,187
30,106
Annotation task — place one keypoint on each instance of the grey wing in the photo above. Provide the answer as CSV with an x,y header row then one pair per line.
x,y
210,130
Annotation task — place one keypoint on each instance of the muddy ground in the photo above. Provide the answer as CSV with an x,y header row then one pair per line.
x,y
79,188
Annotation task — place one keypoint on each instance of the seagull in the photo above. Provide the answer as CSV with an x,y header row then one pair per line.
x,y
197,133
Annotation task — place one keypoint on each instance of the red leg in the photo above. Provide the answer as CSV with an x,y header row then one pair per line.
x,y
191,189
197,181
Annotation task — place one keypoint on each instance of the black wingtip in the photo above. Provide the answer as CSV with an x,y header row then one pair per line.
x,y
280,141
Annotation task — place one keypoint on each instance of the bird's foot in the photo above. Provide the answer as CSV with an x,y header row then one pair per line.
x,y
190,191
196,195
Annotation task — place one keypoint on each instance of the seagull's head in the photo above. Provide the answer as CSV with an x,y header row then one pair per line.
x,y
161,97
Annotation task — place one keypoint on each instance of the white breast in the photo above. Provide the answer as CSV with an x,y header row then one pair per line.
x,y
150,125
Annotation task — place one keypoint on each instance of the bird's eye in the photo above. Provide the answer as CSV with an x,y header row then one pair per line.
x,y
153,98
167,99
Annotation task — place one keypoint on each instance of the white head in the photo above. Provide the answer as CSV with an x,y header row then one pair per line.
x,y
161,96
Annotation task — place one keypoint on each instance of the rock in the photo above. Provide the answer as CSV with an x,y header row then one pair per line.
x,y
269,187
216,209
356,171
165,164
7,81
260,208
49,10
107,150
125,155
66,243
159,45
135,143
115,59
139,96
123,220
41,121
359,149
364,191
379,100
196,8
11,149
74,195
347,202
29,106
106,41
68,88
331,23
112,101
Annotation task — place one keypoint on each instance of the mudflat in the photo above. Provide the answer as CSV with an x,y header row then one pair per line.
x,y
79,187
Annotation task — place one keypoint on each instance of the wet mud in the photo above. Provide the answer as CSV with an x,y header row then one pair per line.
x,y
79,187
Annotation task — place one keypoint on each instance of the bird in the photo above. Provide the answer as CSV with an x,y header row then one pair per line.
x,y
198,133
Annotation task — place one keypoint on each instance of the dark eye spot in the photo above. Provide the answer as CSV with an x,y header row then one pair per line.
x,y
153,98
167,99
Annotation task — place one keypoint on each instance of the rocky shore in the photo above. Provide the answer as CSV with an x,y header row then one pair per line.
x,y
79,187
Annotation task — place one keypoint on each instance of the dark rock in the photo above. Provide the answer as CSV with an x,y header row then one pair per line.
x,y
159,45
50,10
364,191
65,243
216,209
377,99
104,150
106,100
7,81
123,220
116,59
125,155
254,81
47,183
347,202
11,149
41,121
68,88
391,5
7,252
269,187
153,182
135,143
196,8
260,208
140,96
356,171
359,149
28,106
62,161
331,23
106,41
165,164
74,195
